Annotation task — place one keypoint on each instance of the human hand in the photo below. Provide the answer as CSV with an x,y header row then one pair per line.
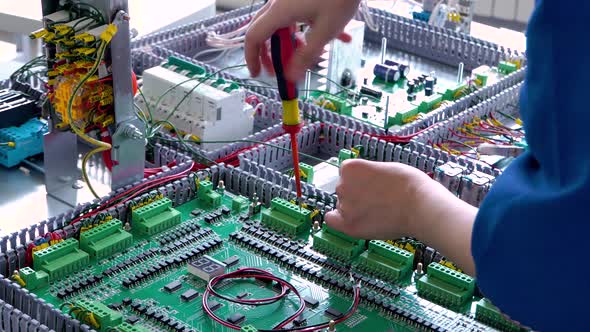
x,y
377,200
387,201
327,19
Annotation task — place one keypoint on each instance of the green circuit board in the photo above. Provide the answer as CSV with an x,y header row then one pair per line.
x,y
221,225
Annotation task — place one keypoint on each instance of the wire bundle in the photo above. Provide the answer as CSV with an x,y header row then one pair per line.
x,y
286,288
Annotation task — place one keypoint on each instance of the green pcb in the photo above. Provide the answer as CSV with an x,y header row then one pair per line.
x,y
146,286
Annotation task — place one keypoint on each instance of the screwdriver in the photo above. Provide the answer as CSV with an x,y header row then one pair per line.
x,y
282,49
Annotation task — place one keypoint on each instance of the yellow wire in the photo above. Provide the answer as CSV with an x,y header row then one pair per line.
x,y
101,146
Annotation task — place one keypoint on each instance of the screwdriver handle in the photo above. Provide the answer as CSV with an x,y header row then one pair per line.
x,y
282,48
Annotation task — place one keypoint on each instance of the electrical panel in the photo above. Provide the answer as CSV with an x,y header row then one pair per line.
x,y
210,237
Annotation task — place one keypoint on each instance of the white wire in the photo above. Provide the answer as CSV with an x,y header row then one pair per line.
x,y
366,13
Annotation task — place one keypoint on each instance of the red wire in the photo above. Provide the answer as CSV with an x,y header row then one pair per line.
x,y
295,152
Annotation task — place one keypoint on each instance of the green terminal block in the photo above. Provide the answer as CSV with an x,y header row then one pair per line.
x,y
345,154
106,239
446,287
105,316
238,203
489,314
337,244
454,93
307,175
248,328
341,105
33,279
155,217
60,259
207,195
506,68
286,217
429,104
126,327
386,260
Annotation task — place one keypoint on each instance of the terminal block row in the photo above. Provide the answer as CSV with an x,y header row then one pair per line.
x,y
337,244
446,287
155,217
287,217
105,239
207,195
387,261
489,314
60,259
106,317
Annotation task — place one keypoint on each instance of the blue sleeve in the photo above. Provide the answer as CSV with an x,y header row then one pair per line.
x,y
529,237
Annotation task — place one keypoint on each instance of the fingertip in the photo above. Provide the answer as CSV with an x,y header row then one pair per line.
x,y
334,218
345,37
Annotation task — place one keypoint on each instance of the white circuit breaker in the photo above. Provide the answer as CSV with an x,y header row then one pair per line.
x,y
209,113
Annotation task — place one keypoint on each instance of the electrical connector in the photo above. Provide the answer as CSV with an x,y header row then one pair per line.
x,y
38,34
386,261
60,259
109,33
105,239
287,217
446,287
104,316
155,217
489,314
337,244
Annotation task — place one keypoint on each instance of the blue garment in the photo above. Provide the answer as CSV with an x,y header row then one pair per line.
x,y
530,237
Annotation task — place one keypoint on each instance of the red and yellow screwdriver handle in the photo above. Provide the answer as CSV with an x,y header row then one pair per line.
x,y
282,45
282,49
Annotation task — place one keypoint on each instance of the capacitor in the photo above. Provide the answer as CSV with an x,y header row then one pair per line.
x,y
365,80
365,90
364,100
428,91
429,83
404,69
411,87
411,97
386,73
346,80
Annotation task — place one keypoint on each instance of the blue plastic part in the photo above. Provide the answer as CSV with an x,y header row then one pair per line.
x,y
28,140
421,16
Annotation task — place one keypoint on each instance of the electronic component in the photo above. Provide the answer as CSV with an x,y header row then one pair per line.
x,y
287,217
236,318
231,261
155,217
16,108
388,74
60,259
214,110
214,305
206,268
365,90
132,319
105,239
446,286
387,261
403,68
300,321
242,295
173,286
189,295
19,143
337,244
331,312
311,302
